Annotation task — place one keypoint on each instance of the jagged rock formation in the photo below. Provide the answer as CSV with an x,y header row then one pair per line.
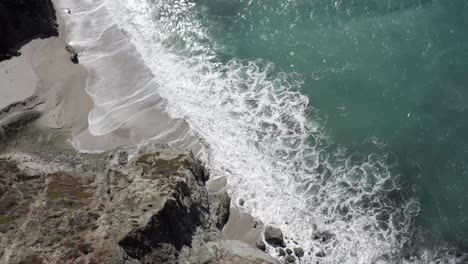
x,y
80,209
22,21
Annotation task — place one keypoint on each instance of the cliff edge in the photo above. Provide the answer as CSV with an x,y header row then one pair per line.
x,y
24,20
94,209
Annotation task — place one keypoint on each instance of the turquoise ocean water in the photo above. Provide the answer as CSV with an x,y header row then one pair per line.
x,y
384,76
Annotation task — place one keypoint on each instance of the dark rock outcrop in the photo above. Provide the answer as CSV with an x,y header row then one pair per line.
x,y
299,252
290,259
73,54
274,236
23,20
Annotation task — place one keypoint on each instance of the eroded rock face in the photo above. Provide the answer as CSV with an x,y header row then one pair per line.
x,y
182,207
17,192
21,21
50,219
154,210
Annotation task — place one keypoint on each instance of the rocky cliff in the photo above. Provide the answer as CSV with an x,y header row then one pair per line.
x,y
22,21
62,208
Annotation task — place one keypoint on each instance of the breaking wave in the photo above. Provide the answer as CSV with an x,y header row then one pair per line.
x,y
258,129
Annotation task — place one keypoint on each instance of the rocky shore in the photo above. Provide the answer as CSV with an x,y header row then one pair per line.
x,y
121,206
147,206
59,206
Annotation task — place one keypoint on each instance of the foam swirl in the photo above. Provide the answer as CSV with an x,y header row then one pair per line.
x,y
259,129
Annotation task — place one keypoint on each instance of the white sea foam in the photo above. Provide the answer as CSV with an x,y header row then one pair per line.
x,y
253,121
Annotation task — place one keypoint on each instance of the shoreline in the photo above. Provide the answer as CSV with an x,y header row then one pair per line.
x,y
242,225
54,106
127,110
50,106
51,84
86,206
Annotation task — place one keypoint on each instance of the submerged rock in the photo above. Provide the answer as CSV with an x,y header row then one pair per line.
x,y
281,252
290,259
274,236
289,251
324,236
299,252
320,254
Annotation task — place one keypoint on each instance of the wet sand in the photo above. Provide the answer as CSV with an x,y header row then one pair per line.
x,y
44,80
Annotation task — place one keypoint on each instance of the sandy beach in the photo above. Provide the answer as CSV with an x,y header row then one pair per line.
x,y
44,80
